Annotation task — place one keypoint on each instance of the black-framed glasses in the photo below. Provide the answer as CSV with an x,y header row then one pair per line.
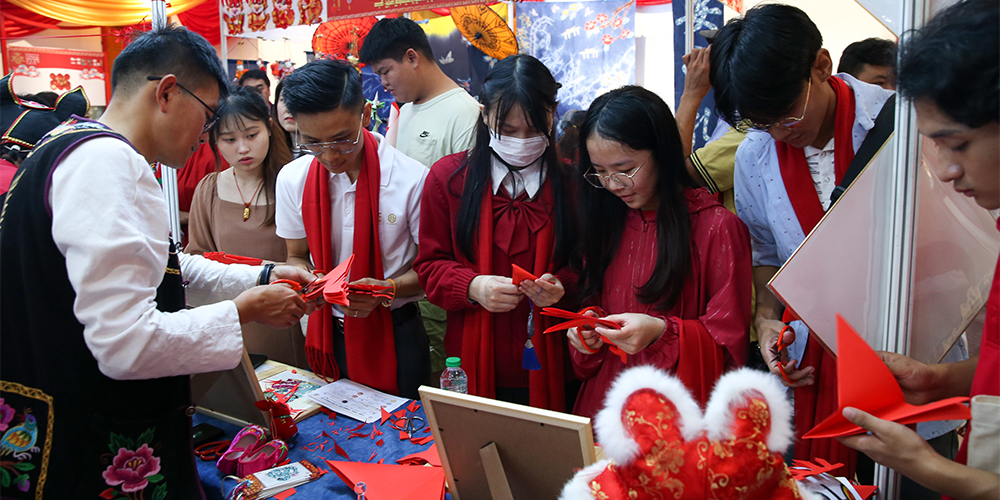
x,y
213,118
345,146
786,123
601,181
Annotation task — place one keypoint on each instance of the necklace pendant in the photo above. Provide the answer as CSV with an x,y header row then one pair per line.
x,y
246,213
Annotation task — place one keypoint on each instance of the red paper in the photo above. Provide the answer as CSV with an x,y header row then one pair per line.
x,y
285,494
385,415
333,285
423,440
393,482
373,455
577,320
865,383
340,451
403,435
380,442
428,456
520,275
802,469
400,413
225,258
413,407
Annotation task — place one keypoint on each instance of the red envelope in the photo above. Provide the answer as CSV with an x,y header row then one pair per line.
x,y
393,482
577,320
520,275
865,383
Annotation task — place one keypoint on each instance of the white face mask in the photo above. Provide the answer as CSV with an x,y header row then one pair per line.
x,y
516,151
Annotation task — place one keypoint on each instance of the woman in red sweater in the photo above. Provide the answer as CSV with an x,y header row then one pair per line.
x,y
666,260
502,203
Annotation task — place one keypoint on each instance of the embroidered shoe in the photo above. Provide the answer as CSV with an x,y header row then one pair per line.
x,y
246,442
263,458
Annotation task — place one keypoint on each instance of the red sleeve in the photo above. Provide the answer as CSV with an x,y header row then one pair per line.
x,y
586,366
200,164
442,276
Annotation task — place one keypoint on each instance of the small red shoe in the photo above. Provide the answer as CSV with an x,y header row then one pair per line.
x,y
249,439
265,457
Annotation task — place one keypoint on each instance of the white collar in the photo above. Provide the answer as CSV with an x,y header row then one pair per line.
x,y
530,178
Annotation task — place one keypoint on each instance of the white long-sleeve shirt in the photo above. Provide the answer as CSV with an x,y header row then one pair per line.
x,y
109,220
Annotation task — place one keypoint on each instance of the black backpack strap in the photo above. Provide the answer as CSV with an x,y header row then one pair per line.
x,y
884,125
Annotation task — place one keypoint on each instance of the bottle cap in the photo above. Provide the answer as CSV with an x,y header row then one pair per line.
x,y
453,362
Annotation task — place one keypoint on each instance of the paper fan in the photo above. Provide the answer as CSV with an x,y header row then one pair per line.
x,y
342,39
486,30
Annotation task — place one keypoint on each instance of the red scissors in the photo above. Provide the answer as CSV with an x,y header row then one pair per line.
x,y
786,317
579,319
212,450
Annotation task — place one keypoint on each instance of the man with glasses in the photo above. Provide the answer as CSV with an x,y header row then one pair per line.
x,y
95,330
354,194
770,69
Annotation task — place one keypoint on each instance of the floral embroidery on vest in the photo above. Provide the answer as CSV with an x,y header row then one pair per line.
x,y
133,469
25,424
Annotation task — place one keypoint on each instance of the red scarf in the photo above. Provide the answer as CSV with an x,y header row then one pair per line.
x,y
371,351
546,387
813,403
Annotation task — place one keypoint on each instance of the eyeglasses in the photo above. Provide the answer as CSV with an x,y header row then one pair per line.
x,y
790,122
625,181
343,147
213,117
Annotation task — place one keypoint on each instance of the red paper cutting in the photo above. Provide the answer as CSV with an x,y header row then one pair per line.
x,y
520,275
226,258
385,415
400,413
381,460
379,442
577,320
413,407
396,482
340,451
285,494
864,382
866,492
333,286
373,455
428,456
421,441
358,428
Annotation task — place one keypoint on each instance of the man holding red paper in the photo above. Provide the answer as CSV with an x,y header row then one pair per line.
x,y
353,193
949,70
769,70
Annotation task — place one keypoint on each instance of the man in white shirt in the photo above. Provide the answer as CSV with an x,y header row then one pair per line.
x,y
436,118
353,193
94,325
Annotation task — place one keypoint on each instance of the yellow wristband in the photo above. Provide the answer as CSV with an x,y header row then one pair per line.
x,y
387,304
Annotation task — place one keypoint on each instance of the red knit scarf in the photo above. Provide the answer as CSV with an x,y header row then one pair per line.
x,y
813,403
546,387
371,352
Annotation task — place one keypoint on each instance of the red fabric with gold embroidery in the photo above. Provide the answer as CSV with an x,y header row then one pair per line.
x,y
738,467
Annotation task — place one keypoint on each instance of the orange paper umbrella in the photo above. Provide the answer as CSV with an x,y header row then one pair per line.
x,y
342,39
486,30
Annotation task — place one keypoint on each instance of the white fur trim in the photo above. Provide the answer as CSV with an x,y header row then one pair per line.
x,y
578,488
718,417
618,444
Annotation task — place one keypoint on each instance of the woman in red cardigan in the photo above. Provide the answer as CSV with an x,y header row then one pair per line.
x,y
666,260
502,203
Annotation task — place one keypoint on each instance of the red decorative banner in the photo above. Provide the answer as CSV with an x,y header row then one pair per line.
x,y
347,9
58,70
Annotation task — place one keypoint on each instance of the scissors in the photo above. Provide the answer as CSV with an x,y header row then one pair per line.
x,y
579,319
212,450
408,425
786,317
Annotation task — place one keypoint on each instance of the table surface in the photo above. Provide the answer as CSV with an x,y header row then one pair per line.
x,y
310,435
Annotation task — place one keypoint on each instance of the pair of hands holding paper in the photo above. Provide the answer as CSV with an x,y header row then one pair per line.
x,y
499,294
636,331
278,305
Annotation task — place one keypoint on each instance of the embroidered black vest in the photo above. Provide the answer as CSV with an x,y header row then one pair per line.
x,y
68,430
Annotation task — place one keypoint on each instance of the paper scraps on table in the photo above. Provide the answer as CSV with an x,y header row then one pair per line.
x,y
285,494
413,406
340,451
577,320
395,482
385,415
422,440
228,258
865,383
428,456
400,413
519,275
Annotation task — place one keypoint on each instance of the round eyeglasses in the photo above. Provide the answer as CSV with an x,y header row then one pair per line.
x,y
787,123
343,147
621,179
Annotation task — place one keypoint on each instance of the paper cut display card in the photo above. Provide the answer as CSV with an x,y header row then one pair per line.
x,y
393,482
520,275
865,383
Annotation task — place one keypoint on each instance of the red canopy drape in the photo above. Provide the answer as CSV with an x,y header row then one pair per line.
x,y
20,23
203,20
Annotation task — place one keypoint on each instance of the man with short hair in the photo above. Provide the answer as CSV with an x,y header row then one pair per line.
x,y
257,78
97,345
436,118
872,60
770,69
353,193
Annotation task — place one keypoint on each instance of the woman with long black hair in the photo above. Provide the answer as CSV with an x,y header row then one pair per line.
x,y
504,202
661,257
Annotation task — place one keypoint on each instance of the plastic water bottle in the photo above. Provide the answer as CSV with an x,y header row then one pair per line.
x,y
454,378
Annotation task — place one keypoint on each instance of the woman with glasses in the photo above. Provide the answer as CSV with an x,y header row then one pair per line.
x,y
661,257
232,211
503,203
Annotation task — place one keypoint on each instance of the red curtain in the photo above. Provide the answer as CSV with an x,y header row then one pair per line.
x,y
203,20
20,23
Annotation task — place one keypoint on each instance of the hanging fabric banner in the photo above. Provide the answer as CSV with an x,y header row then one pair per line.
x,y
346,9
58,70
588,46
707,16
251,16
101,12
